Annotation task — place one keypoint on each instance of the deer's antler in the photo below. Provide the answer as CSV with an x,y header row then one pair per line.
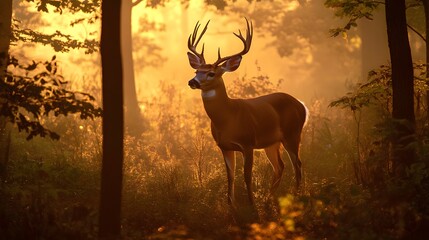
x,y
246,42
193,41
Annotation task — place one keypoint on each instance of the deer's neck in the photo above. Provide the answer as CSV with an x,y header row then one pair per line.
x,y
217,104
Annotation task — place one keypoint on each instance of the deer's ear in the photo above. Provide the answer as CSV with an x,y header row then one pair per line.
x,y
194,61
232,64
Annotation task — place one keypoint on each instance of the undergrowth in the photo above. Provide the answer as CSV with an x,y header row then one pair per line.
x,y
175,185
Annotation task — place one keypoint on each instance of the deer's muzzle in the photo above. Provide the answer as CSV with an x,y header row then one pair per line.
x,y
194,84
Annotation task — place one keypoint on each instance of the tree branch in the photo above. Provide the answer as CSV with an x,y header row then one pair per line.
x,y
136,3
417,32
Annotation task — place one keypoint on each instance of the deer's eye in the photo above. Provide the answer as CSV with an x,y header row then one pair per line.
x,y
211,74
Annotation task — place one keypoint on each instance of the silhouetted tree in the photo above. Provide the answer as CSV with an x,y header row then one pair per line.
x,y
5,36
402,82
5,33
134,122
374,48
132,116
113,132
426,9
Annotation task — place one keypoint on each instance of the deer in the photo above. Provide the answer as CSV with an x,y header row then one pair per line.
x,y
243,125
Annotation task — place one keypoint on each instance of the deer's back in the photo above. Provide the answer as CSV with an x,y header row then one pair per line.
x,y
262,121
291,112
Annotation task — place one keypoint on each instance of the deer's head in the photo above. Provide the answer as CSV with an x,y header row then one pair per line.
x,y
208,76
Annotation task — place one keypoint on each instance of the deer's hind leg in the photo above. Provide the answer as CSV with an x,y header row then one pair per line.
x,y
273,155
248,166
291,145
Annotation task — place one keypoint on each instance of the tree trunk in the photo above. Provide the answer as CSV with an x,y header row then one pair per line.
x,y
402,84
5,36
113,132
375,51
5,33
426,8
133,118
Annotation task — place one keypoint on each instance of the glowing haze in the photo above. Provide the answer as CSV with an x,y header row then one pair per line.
x,y
297,69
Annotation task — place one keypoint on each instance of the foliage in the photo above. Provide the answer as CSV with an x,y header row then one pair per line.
x,y
250,87
219,4
60,42
398,199
29,92
352,10
72,5
374,97
290,211
46,195
336,210
377,90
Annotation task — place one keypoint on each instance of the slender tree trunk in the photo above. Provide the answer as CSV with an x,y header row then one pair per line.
x,y
375,51
5,36
426,8
113,132
5,33
402,84
133,118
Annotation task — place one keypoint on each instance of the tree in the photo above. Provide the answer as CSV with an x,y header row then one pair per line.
x,y
113,132
426,9
402,82
134,121
375,50
5,36
401,67
133,118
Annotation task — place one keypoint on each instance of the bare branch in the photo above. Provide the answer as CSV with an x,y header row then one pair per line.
x,y
136,2
417,32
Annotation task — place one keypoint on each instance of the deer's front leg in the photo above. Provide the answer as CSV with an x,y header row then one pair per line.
x,y
229,158
248,166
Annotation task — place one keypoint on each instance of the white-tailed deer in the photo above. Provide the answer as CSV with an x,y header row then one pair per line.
x,y
243,125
